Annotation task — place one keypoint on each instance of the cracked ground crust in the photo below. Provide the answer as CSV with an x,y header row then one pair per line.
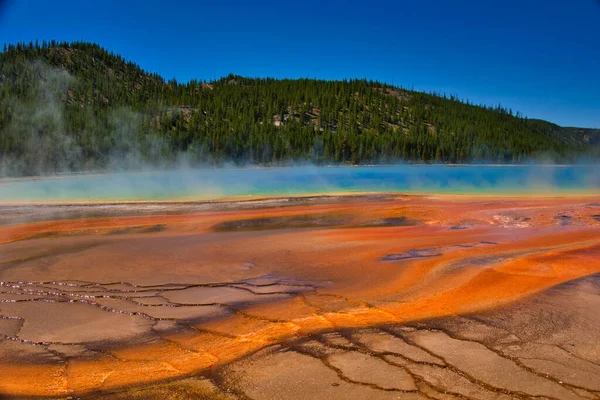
x,y
113,306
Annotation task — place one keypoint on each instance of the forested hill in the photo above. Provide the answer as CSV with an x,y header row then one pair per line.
x,y
76,106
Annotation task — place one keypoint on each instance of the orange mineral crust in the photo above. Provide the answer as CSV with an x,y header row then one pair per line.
x,y
92,301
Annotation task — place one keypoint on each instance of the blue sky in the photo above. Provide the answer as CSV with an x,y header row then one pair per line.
x,y
541,57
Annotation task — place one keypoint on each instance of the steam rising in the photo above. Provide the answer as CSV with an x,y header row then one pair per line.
x,y
37,124
44,147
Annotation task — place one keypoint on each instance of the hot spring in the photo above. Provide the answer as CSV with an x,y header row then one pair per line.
x,y
211,184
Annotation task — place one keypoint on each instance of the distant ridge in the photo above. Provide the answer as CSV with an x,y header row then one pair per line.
x,y
76,107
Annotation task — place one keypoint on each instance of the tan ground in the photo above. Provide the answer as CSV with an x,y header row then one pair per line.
x,y
340,297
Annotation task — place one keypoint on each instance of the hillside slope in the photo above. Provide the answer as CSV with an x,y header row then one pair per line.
x,y
76,106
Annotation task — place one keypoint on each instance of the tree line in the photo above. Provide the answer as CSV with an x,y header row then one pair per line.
x,y
76,106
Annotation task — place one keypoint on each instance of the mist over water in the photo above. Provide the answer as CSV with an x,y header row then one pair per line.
x,y
211,184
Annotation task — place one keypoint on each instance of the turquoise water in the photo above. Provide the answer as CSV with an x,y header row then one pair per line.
x,y
206,184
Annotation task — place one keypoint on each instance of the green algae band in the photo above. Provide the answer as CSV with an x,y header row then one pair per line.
x,y
206,184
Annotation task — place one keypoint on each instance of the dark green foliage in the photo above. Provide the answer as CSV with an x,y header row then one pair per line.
x,y
75,106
